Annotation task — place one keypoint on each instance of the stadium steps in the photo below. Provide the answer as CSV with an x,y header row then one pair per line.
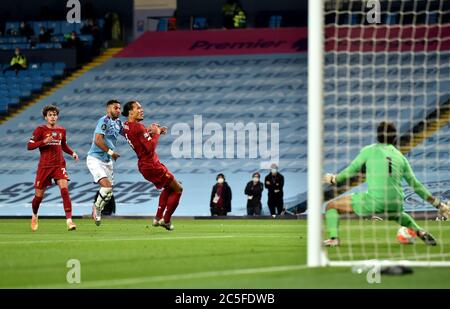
x,y
106,55
419,133
109,53
423,130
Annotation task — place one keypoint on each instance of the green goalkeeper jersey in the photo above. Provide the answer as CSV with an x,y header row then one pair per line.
x,y
385,169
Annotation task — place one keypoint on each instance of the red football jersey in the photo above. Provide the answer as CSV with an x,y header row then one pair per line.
x,y
51,153
142,143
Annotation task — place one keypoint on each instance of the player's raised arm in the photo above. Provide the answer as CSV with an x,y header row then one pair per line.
x,y
353,169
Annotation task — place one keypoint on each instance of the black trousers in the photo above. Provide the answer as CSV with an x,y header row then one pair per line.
x,y
275,204
218,211
253,210
16,67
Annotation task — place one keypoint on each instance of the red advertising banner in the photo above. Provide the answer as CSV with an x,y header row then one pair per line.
x,y
383,38
218,42
369,38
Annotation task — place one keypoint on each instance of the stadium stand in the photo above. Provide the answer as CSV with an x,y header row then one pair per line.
x,y
15,89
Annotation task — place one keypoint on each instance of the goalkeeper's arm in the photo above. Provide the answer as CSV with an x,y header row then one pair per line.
x,y
423,192
350,171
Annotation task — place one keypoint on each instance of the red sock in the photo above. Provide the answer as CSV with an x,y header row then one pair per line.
x,y
66,202
172,203
163,202
35,203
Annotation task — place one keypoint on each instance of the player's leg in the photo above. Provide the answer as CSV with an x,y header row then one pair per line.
x,y
35,203
103,196
333,210
162,204
172,202
406,220
103,175
43,179
64,188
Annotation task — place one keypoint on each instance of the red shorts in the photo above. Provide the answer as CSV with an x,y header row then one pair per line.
x,y
44,176
158,174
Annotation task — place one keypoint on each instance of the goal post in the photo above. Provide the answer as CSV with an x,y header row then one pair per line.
x,y
371,61
315,129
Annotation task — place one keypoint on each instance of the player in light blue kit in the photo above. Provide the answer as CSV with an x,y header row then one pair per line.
x,y
101,155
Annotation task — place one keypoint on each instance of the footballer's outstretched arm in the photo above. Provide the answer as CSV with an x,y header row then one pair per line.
x,y
353,169
423,192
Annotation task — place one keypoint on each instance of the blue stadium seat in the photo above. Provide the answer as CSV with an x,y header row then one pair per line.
x,y
275,21
432,18
12,25
5,46
37,26
351,19
199,23
55,26
86,37
77,27
162,24
17,39
66,27
59,38
100,22
391,19
48,45
59,65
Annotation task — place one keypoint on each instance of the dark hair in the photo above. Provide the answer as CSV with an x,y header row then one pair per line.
x,y
114,101
387,133
256,174
127,108
220,175
50,108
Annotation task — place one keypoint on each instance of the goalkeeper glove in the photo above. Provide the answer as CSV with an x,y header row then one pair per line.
x,y
444,209
329,179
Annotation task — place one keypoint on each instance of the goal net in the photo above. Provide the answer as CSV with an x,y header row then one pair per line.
x,y
383,61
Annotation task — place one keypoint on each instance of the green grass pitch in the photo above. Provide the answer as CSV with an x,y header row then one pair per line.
x,y
204,254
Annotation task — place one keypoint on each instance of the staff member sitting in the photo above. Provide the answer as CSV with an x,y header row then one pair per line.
x,y
18,62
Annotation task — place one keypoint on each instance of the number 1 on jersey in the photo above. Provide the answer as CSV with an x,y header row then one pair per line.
x,y
390,165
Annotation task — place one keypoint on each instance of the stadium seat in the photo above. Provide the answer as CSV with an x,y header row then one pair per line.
x,y
391,19
54,27
275,21
162,24
36,25
199,23
66,28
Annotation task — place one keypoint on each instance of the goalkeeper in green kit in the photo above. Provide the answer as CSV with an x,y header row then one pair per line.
x,y
385,168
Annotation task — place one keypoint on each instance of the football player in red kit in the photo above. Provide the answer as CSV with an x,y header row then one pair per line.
x,y
144,141
51,141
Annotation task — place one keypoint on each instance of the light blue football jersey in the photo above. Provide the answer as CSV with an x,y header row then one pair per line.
x,y
111,129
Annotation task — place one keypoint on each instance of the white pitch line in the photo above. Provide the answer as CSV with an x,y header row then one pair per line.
x,y
141,238
188,276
